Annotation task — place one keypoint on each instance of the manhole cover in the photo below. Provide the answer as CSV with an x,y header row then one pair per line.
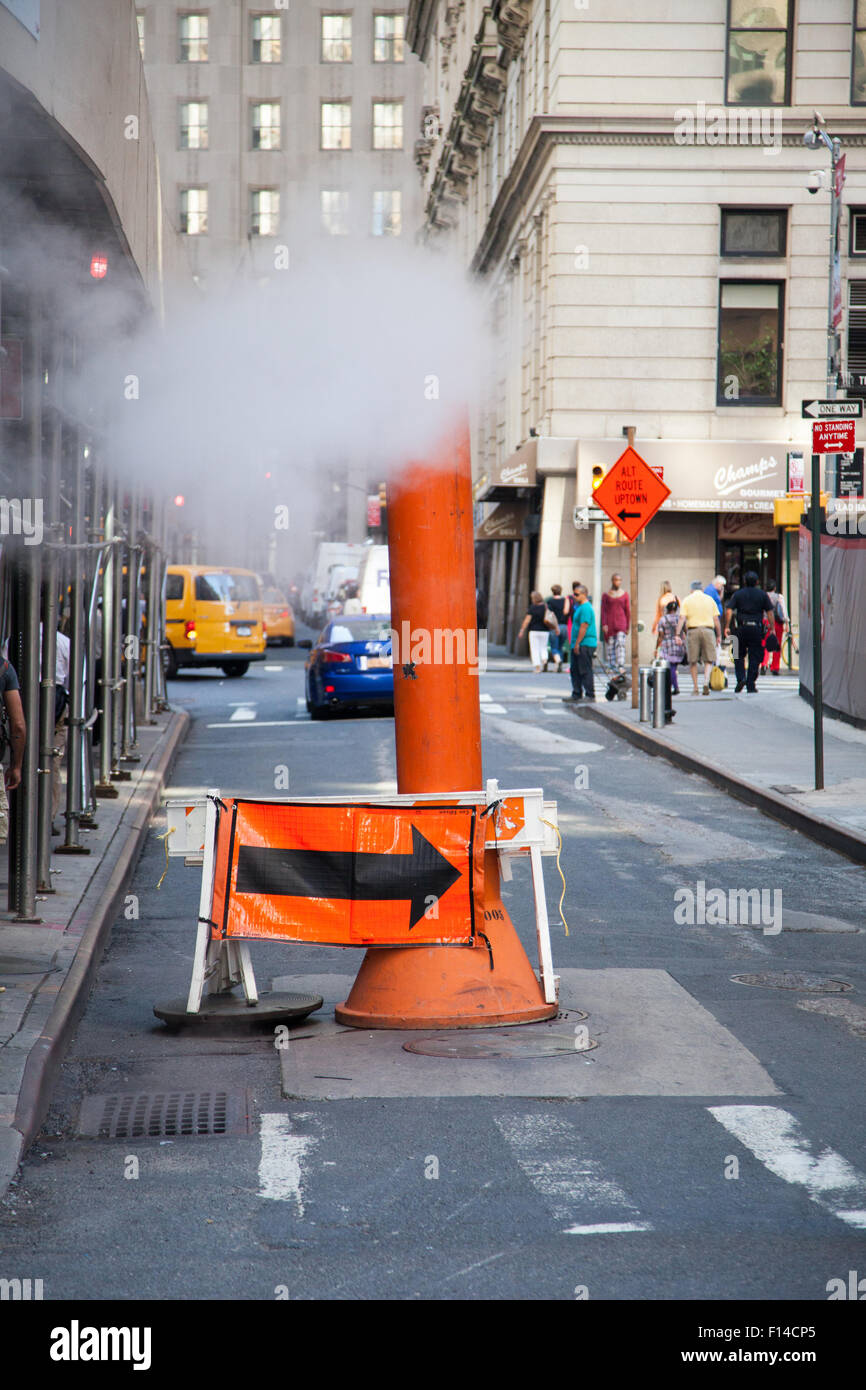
x,y
551,1044
164,1115
787,979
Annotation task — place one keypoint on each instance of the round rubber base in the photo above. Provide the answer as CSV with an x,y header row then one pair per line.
x,y
355,1019
233,1008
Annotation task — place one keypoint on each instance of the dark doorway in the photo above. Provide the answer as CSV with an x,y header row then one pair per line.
x,y
736,558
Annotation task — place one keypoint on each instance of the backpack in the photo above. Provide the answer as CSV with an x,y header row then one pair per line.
x,y
778,611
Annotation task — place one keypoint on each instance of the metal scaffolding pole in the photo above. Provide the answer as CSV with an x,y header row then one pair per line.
x,y
130,657
112,644
30,561
105,693
72,843
50,577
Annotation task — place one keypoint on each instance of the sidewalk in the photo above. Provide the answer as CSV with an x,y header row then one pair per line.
x,y
47,968
759,748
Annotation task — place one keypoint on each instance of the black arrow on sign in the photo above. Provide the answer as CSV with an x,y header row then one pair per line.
x,y
624,515
325,873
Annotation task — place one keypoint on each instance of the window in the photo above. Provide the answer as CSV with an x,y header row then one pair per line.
x,y
193,125
858,55
227,588
754,231
139,26
193,211
387,212
387,125
336,38
857,232
336,125
335,211
193,38
173,587
750,342
854,379
265,45
266,125
388,38
759,48
264,211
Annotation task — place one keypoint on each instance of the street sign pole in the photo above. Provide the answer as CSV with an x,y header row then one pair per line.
x,y
597,534
817,670
635,659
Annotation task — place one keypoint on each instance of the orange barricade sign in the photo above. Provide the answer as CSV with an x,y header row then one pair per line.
x,y
350,875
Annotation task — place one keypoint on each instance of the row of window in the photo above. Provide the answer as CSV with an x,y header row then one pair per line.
x,y
760,50
265,37
387,211
335,125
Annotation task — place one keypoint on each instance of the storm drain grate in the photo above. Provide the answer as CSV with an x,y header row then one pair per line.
x,y
164,1115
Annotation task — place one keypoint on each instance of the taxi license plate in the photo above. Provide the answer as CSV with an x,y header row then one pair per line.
x,y
244,632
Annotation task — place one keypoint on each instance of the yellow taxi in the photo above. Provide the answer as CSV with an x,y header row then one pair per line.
x,y
214,616
279,618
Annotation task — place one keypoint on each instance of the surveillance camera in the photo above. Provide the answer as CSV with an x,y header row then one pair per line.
x,y
815,180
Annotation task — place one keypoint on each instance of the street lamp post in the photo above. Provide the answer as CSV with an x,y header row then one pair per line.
x,y
814,137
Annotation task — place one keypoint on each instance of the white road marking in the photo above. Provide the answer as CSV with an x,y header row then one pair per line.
x,y
775,1137
552,1154
608,1228
281,1173
485,698
539,741
301,700
493,709
243,714
260,724
273,668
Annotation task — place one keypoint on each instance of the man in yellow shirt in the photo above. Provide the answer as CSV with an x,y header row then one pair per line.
x,y
701,617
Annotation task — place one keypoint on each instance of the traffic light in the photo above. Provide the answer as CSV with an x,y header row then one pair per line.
x,y
597,475
383,495
98,266
610,534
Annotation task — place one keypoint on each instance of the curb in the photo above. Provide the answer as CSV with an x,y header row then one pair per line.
x,y
824,832
92,924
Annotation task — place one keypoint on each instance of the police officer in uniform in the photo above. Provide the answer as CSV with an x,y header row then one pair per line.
x,y
748,606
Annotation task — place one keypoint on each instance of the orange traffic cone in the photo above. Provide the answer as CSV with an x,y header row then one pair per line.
x,y
438,734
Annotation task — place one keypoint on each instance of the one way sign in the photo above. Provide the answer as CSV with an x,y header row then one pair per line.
x,y
833,410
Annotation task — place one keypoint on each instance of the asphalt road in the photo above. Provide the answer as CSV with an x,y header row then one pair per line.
x,y
667,1194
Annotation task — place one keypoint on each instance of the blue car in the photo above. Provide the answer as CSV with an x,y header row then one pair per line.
x,y
350,665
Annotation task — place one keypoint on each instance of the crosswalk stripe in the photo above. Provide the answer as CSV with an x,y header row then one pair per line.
x,y
281,1174
552,1154
775,1138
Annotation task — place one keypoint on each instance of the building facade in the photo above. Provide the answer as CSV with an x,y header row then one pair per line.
x,y
631,185
284,130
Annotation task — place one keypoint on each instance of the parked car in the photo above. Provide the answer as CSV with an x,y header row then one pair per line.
x,y
213,617
350,665
279,619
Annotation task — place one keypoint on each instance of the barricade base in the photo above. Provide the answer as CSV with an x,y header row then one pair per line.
x,y
450,986
233,1008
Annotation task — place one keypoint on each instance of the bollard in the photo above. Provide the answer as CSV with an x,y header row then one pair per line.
x,y
644,678
659,679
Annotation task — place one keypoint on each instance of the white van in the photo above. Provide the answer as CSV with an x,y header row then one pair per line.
x,y
374,581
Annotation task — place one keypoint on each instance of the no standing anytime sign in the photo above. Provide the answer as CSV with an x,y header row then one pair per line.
x,y
833,437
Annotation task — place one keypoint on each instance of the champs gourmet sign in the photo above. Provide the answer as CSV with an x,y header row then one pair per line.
x,y
703,475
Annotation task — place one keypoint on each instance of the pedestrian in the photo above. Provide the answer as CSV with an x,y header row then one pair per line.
x,y
781,622
751,608
560,606
716,591
584,642
615,622
540,622
664,598
669,644
13,736
575,585
704,630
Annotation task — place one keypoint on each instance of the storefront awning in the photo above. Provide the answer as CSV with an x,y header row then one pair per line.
x,y
514,477
504,523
